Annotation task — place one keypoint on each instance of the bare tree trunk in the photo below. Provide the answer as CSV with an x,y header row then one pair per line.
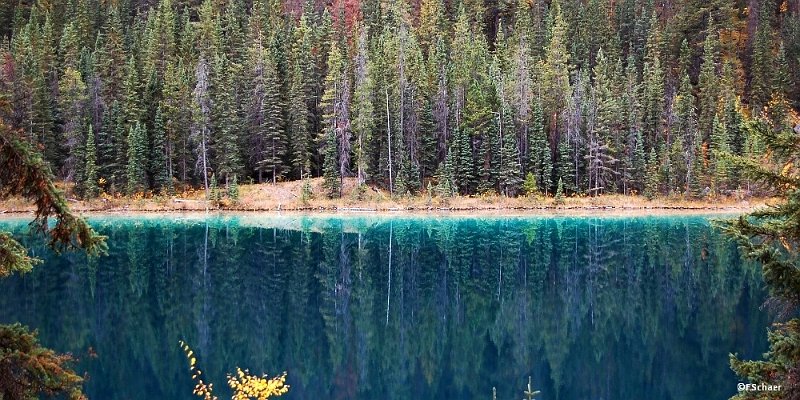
x,y
205,162
389,131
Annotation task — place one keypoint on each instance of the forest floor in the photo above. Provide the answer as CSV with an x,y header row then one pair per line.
x,y
287,196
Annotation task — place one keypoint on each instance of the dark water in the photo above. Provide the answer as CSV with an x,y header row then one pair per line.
x,y
402,308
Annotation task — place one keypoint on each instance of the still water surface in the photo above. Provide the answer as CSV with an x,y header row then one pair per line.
x,y
401,308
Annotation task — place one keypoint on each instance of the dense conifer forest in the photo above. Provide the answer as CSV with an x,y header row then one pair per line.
x,y
461,97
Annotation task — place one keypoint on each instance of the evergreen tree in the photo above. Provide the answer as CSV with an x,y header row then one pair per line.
x,y
564,169
559,196
540,160
233,189
72,103
267,140
653,86
767,236
445,180
510,174
720,149
301,100
529,185
201,116
708,85
226,122
159,166
763,60
336,120
332,181
651,185
363,108
90,188
137,159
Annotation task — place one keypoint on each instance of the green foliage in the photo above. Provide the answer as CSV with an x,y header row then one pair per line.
x,y
137,159
445,181
510,174
243,88
90,188
233,189
652,180
306,192
332,181
529,185
770,236
559,197
28,370
214,194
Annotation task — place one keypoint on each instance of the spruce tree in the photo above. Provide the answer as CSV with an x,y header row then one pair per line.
x,y
653,169
226,121
162,181
445,180
769,236
720,149
763,66
529,187
510,174
564,169
363,108
559,196
90,188
708,84
540,161
137,160
332,181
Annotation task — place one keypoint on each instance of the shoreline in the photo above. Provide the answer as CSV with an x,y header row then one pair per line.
x,y
532,211
286,198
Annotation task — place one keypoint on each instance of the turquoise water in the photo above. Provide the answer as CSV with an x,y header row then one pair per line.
x,y
401,308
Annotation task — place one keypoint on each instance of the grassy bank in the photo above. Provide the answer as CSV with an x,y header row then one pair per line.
x,y
287,196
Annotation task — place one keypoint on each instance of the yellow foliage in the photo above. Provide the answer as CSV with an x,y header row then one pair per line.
x,y
244,385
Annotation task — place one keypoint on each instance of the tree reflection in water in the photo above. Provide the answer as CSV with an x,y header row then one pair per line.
x,y
403,308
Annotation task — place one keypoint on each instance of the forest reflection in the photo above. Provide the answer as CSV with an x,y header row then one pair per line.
x,y
402,308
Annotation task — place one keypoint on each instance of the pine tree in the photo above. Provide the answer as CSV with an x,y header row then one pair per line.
x,y
268,145
653,167
201,116
555,69
332,181
90,188
72,103
510,174
301,100
653,85
131,106
137,159
768,237
762,66
233,189
541,160
336,120
720,149
708,84
559,197
226,123
529,187
445,180
463,164
159,168
363,108
564,169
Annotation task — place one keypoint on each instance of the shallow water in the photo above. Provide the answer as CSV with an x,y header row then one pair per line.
x,y
401,308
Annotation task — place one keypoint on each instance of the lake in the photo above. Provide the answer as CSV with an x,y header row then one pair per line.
x,y
356,307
